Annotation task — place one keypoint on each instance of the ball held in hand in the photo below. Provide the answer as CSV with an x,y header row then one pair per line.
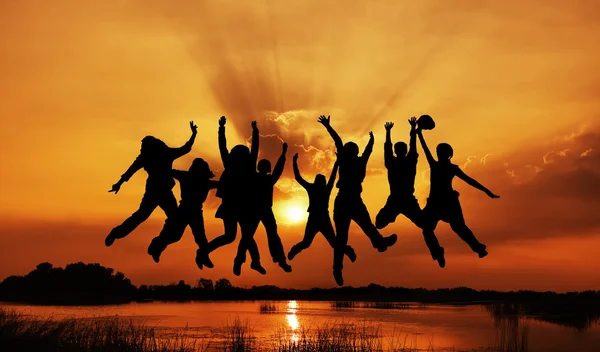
x,y
425,122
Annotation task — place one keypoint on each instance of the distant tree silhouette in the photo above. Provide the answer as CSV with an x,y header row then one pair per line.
x,y
77,283
205,285
223,285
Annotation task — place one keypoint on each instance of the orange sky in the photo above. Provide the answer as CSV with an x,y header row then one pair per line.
x,y
512,86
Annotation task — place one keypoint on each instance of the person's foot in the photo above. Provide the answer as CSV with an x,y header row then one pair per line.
x,y
285,266
207,262
110,239
257,267
440,259
154,252
339,279
199,258
387,242
237,267
482,253
351,254
293,253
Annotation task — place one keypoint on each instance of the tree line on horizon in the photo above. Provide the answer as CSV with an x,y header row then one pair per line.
x,y
94,284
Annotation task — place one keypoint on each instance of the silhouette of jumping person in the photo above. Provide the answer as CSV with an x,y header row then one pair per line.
x,y
402,170
348,203
263,206
237,190
318,209
443,203
156,158
195,185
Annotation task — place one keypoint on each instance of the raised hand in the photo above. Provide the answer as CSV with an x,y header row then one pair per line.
x,y
413,122
371,134
324,120
491,195
285,147
115,188
193,127
388,126
295,157
222,121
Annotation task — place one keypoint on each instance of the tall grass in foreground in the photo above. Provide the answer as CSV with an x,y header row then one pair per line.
x,y
22,333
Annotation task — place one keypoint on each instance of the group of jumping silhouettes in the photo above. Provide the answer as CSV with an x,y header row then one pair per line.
x,y
246,191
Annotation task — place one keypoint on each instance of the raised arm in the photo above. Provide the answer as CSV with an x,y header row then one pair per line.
x,y
430,158
135,166
254,147
187,147
333,175
471,182
223,141
278,169
325,121
297,176
369,148
412,149
388,154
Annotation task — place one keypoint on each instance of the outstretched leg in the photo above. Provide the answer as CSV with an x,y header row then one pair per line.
x,y
387,214
309,235
427,221
275,245
171,233
199,232
149,202
326,228
247,243
361,216
457,223
230,225
342,218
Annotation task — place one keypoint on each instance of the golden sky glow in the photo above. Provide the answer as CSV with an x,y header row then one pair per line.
x,y
512,85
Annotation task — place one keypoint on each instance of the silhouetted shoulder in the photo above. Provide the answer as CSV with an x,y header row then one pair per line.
x,y
178,174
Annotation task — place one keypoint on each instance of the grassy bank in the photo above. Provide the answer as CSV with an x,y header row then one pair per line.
x,y
114,334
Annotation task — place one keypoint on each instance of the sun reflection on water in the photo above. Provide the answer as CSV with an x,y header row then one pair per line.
x,y
292,319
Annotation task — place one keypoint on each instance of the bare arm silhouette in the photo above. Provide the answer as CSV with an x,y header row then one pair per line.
x,y
325,121
430,158
297,176
471,182
187,147
388,154
135,166
223,141
278,169
369,148
412,150
333,175
254,147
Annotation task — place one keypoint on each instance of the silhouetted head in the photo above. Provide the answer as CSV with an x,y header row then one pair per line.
x,y
152,145
201,169
264,166
239,157
400,148
444,151
350,150
320,180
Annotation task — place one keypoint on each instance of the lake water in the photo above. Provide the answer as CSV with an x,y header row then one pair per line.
x,y
443,327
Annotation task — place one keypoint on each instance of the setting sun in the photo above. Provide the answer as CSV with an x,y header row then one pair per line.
x,y
295,213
